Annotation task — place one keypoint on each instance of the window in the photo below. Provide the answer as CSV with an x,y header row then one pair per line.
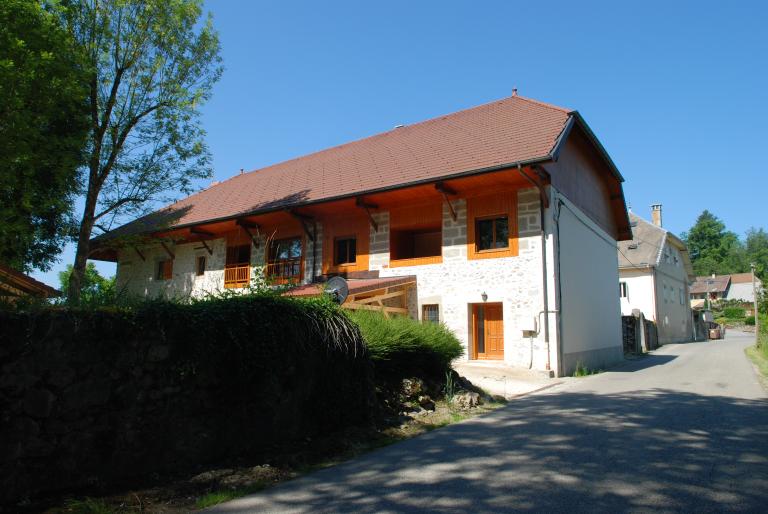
x,y
492,226
345,251
284,260
238,255
492,233
416,243
623,290
164,270
200,271
430,313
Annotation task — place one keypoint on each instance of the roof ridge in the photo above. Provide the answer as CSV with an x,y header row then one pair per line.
x,y
544,104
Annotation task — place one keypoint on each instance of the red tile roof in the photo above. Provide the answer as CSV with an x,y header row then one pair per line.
x,y
14,282
717,284
505,132
741,278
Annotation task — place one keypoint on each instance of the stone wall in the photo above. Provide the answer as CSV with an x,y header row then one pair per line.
x,y
90,399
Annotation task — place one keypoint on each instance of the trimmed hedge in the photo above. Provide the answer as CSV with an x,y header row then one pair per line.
x,y
111,395
401,347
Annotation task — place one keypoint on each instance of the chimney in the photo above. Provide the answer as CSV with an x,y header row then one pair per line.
x,y
656,214
514,91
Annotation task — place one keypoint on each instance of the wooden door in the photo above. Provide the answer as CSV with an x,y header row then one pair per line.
x,y
488,327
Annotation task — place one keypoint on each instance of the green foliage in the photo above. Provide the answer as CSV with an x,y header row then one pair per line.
x,y
88,506
749,320
583,371
712,248
153,63
225,495
95,289
401,347
43,128
450,386
734,312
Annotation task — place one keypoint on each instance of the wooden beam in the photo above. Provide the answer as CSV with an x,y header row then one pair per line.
x,y
210,252
138,252
386,296
445,191
360,202
304,219
250,234
242,222
366,307
201,232
167,250
440,186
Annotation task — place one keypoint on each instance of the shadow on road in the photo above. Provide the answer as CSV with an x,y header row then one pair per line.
x,y
655,449
643,362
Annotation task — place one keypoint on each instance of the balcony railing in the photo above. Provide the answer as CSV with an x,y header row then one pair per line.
x,y
284,271
237,275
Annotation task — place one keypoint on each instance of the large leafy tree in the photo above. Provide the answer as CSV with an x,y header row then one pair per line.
x,y
713,249
153,63
43,126
757,251
94,288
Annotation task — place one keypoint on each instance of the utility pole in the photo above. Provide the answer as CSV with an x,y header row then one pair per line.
x,y
757,313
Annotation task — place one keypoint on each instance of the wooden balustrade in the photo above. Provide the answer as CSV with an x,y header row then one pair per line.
x,y
237,275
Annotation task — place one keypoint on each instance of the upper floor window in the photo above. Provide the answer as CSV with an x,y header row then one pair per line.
x,y
284,259
164,270
200,268
492,233
345,251
623,290
416,235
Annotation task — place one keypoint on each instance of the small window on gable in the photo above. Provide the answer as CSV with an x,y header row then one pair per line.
x,y
164,270
345,251
200,270
623,290
492,233
430,313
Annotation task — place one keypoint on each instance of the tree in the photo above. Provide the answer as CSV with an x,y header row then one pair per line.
x,y
43,126
712,248
95,289
152,64
757,251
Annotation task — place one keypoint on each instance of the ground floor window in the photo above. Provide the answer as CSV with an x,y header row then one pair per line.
x,y
430,313
200,270
623,290
345,251
164,270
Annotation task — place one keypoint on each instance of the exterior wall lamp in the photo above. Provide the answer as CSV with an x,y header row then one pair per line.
x,y
484,296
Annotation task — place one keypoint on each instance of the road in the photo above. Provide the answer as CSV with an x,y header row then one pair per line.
x,y
682,430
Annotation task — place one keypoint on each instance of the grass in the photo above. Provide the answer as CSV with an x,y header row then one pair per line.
x,y
583,371
759,354
87,506
225,495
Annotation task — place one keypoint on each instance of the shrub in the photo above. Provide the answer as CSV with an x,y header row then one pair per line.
x,y
749,320
401,347
734,312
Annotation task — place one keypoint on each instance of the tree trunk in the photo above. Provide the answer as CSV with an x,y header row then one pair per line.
x,y
83,250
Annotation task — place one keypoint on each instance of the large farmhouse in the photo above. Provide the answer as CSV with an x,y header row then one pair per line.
x,y
500,221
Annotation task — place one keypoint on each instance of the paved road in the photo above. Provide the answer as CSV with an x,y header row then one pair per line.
x,y
683,430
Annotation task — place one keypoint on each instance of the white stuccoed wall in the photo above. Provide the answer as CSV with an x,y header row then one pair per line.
x,y
456,283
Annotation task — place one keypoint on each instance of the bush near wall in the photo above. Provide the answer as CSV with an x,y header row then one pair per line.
x,y
402,347
104,396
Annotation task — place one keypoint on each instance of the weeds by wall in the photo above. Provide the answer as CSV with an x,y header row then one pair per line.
x,y
103,396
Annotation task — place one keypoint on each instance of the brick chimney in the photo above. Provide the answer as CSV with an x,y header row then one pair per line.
x,y
656,214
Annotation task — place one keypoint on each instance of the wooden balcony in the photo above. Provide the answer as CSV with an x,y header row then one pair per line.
x,y
237,275
285,271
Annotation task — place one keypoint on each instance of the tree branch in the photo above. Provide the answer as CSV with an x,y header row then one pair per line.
x,y
118,204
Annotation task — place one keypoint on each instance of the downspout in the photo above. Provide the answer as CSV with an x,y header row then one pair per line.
x,y
558,280
545,296
314,251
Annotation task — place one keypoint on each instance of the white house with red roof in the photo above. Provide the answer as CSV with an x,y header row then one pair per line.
x,y
500,221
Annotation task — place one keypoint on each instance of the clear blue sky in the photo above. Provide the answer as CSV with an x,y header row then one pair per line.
x,y
676,91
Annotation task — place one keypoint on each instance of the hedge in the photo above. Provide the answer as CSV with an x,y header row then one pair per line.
x,y
108,395
401,347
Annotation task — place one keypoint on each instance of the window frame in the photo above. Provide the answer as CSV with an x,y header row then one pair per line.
x,y
164,270
493,206
348,262
430,306
204,261
623,289
492,217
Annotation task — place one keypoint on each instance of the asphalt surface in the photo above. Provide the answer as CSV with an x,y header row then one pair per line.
x,y
682,430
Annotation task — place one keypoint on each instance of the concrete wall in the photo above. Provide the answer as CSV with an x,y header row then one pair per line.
x,y
590,314
674,323
640,292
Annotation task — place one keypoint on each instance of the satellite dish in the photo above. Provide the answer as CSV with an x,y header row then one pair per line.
x,y
338,289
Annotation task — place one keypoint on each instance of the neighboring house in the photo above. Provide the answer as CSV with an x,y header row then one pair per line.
x,y
742,289
15,284
655,274
500,221
714,287
737,286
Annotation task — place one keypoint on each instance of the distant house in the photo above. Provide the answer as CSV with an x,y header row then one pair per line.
x,y
499,221
737,286
15,284
655,274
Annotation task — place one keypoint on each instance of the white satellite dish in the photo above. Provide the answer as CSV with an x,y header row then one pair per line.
x,y
338,288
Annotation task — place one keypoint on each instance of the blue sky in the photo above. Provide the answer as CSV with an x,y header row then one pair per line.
x,y
676,91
